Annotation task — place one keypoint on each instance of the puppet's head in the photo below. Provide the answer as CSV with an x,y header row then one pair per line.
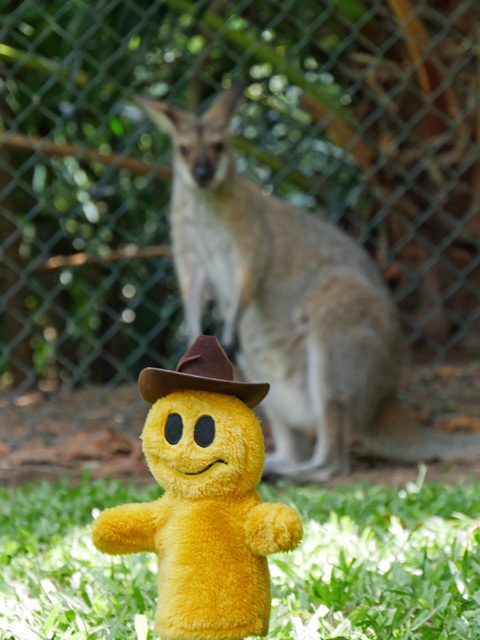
x,y
201,438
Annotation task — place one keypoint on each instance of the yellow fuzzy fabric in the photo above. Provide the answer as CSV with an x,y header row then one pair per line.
x,y
210,530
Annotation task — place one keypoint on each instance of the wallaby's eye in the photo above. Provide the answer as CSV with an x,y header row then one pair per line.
x,y
218,147
204,433
173,428
184,150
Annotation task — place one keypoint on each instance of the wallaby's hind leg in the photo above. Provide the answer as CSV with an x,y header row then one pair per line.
x,y
337,434
295,457
331,452
283,454
291,447
351,348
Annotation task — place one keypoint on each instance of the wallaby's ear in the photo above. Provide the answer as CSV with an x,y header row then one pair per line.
x,y
223,107
167,118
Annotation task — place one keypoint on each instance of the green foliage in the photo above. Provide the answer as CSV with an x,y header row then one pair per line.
x,y
375,563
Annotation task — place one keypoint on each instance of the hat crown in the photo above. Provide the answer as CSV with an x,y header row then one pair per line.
x,y
206,359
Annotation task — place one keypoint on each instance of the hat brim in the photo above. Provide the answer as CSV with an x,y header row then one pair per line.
x,y
154,384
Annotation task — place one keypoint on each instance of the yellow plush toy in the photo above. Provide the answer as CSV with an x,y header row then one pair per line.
x,y
210,530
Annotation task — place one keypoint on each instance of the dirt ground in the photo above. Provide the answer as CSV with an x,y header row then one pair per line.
x,y
47,438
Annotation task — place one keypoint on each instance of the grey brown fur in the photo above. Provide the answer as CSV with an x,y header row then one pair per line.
x,y
308,308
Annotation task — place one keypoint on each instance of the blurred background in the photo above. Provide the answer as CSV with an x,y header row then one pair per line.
x,y
364,111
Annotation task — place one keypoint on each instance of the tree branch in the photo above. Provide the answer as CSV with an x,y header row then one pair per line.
x,y
82,154
129,253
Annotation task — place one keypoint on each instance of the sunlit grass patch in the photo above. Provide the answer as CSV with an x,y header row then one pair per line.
x,y
375,563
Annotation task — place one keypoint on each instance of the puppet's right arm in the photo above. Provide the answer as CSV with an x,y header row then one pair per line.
x,y
129,528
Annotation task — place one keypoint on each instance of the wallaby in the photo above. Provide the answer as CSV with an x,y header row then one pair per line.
x,y
307,305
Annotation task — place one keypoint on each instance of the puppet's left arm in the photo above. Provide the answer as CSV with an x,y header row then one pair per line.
x,y
270,528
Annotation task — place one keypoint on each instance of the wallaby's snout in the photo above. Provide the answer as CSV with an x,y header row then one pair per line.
x,y
203,170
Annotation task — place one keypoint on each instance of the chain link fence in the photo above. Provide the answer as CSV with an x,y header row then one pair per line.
x,y
365,111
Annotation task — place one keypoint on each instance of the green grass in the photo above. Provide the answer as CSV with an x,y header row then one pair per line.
x,y
375,562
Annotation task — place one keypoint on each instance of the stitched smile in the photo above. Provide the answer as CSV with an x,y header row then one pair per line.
x,y
196,473
188,473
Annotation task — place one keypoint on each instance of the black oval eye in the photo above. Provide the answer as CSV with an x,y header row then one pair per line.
x,y
173,428
184,150
204,431
218,147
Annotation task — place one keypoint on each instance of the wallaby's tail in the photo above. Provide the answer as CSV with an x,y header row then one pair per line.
x,y
396,436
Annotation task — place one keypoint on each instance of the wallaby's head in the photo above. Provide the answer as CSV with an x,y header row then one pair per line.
x,y
203,157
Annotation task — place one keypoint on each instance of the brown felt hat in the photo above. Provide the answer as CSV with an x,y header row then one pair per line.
x,y
205,367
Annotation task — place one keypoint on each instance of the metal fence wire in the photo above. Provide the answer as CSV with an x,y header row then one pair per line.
x,y
365,111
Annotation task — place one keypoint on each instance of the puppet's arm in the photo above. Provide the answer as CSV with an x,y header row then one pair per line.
x,y
270,528
129,528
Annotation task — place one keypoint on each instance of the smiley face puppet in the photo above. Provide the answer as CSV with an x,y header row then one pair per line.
x,y
210,530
